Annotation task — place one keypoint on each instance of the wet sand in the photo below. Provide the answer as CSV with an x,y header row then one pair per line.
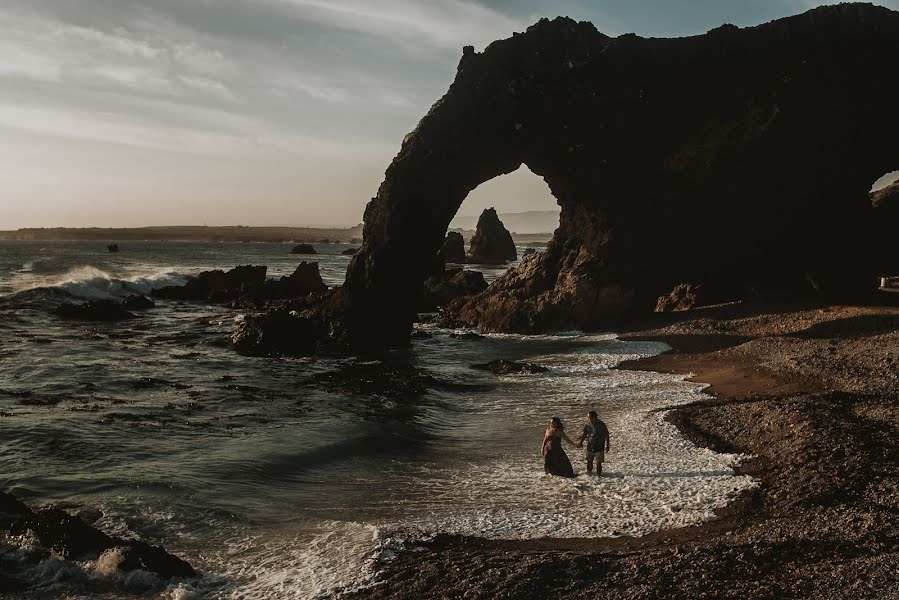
x,y
812,394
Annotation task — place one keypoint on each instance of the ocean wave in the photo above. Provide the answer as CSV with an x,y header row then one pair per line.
x,y
92,283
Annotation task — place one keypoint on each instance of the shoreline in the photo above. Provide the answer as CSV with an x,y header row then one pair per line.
x,y
823,517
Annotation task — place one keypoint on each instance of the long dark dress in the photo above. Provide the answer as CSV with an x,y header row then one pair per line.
x,y
555,461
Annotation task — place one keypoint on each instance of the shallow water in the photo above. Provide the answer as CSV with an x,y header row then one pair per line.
x,y
276,483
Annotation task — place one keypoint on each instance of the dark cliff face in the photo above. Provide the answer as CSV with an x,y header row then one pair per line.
x,y
742,156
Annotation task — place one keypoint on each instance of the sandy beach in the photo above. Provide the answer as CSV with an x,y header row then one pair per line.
x,y
810,392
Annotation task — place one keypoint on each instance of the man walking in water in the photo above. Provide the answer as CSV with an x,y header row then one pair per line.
x,y
597,435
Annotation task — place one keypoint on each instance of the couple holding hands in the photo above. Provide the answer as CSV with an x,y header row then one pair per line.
x,y
555,461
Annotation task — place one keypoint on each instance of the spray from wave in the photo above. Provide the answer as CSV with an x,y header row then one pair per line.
x,y
93,283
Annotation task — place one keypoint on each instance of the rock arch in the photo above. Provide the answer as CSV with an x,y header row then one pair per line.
x,y
742,158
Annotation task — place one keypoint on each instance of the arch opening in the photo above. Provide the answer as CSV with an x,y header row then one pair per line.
x,y
525,207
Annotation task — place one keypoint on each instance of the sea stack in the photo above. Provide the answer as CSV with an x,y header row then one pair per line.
x,y
303,249
453,250
492,243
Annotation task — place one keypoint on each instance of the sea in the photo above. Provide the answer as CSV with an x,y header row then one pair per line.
x,y
304,477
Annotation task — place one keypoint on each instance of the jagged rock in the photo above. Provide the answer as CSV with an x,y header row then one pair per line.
x,y
95,310
306,279
742,157
491,243
303,249
453,250
278,333
450,285
545,293
507,367
350,251
73,538
217,285
137,302
683,297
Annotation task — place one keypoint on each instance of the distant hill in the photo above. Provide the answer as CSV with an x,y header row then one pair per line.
x,y
192,233
532,221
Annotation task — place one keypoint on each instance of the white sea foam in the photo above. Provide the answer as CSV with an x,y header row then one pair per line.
x,y
93,283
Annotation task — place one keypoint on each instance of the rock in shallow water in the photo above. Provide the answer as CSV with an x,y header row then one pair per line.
x,y
278,333
75,539
507,367
95,310
303,249
492,242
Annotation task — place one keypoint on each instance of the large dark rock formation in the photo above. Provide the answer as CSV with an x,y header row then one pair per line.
x,y
491,243
303,249
742,156
453,250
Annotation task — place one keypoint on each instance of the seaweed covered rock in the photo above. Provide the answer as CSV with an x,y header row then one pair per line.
x,y
491,243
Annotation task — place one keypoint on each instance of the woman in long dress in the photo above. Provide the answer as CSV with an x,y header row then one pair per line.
x,y
555,461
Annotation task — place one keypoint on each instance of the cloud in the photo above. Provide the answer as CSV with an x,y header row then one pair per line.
x,y
440,23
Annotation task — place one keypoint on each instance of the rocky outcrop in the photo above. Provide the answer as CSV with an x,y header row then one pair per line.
x,y
684,296
73,538
510,367
742,157
350,251
216,286
247,287
303,249
277,333
453,250
137,302
547,292
450,285
95,310
113,247
491,243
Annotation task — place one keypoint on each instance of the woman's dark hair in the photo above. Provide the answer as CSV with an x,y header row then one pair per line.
x,y
557,423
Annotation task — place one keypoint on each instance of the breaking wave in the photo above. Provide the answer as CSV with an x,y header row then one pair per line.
x,y
93,283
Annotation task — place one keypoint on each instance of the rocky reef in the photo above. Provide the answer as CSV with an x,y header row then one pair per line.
x,y
491,242
742,158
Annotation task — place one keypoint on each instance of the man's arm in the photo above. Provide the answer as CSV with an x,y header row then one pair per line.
x,y
607,439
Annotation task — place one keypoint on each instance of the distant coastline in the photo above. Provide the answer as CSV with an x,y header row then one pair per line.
x,y
230,233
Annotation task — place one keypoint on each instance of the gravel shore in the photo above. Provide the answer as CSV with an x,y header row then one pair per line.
x,y
812,393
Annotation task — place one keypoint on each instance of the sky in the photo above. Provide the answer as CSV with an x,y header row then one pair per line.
x,y
123,113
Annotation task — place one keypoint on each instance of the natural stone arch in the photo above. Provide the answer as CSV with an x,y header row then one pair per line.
x,y
741,157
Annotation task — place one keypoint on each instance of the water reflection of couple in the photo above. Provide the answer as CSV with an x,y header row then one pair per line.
x,y
555,461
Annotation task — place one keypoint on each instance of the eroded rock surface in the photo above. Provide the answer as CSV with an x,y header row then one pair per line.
x,y
742,157
450,285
